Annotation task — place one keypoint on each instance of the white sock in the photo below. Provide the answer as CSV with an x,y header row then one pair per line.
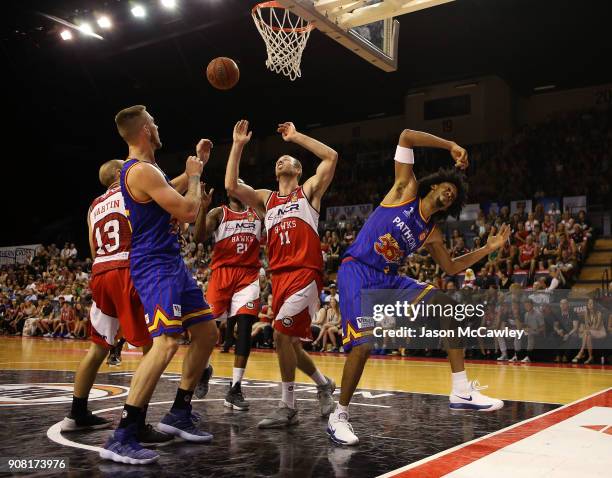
x,y
237,375
341,409
288,397
319,378
460,382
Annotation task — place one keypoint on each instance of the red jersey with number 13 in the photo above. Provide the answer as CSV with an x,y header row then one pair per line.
x,y
237,239
293,240
110,231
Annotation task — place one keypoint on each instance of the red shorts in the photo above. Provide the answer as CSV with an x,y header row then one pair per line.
x,y
295,300
116,310
233,291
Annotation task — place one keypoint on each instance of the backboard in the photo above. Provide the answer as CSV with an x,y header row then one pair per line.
x,y
366,27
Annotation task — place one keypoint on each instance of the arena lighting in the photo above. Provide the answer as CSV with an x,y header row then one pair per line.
x,y
169,3
85,28
104,22
66,35
545,87
139,11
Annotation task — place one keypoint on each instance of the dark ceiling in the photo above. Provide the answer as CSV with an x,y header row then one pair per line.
x,y
62,96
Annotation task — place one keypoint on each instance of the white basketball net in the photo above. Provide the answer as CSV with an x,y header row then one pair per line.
x,y
285,35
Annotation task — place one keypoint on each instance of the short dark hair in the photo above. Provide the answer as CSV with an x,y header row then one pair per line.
x,y
129,120
446,176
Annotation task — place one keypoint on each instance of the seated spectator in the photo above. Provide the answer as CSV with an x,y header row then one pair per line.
x,y
520,235
534,326
329,328
459,248
548,226
332,291
531,223
81,321
551,251
349,235
565,331
594,328
528,255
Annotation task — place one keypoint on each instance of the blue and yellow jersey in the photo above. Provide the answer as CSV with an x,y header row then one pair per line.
x,y
391,233
154,231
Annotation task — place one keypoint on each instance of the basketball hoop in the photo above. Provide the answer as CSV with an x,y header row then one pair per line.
x,y
285,34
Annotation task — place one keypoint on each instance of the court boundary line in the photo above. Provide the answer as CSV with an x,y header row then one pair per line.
x,y
299,383
443,465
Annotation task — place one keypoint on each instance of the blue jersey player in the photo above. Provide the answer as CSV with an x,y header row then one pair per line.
x,y
172,300
404,222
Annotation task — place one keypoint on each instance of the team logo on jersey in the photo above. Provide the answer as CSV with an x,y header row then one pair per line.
x,y
287,321
422,236
409,212
294,197
176,310
388,247
250,217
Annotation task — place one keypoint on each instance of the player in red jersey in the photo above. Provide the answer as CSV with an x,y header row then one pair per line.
x,y
233,288
296,263
116,310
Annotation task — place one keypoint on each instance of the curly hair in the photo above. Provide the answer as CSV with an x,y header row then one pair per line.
x,y
449,175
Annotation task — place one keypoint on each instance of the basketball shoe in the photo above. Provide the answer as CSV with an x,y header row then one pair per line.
x,y
87,422
123,447
325,395
181,422
202,387
235,400
472,399
283,416
340,430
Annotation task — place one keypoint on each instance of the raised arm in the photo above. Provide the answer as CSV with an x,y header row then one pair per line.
x,y
207,222
238,189
146,182
316,185
453,266
405,184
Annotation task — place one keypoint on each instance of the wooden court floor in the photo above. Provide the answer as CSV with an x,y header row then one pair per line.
x,y
546,383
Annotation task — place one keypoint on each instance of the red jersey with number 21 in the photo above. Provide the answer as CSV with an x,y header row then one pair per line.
x,y
110,231
293,240
237,239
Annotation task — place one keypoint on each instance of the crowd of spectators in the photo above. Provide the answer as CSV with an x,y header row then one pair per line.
x,y
565,155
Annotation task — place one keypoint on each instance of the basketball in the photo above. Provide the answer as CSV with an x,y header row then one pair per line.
x,y
223,73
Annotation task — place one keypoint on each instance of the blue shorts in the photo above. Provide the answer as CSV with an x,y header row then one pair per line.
x,y
172,300
355,279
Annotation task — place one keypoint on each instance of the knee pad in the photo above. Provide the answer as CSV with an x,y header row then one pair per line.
x,y
243,343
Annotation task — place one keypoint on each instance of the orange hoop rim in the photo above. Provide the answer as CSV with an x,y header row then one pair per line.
x,y
273,4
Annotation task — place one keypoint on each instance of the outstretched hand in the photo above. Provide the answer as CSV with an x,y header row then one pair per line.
x,y
206,196
242,135
287,130
497,241
460,156
203,150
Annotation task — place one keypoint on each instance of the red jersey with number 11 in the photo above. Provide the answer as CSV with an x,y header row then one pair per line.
x,y
293,240
237,239
110,231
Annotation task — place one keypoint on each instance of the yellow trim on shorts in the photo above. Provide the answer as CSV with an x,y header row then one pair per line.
x,y
197,313
161,317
